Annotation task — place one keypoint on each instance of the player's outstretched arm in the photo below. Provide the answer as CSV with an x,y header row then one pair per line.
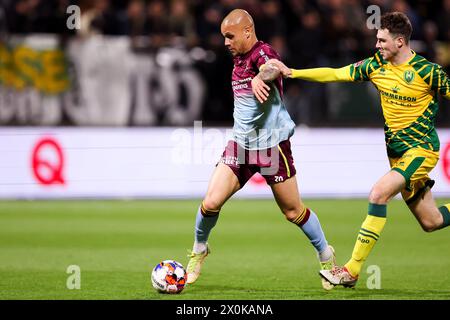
x,y
267,73
315,74
285,71
323,74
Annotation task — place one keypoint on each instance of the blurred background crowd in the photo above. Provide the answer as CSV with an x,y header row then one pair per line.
x,y
306,33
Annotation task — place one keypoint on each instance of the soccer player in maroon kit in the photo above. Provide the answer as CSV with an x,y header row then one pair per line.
x,y
260,143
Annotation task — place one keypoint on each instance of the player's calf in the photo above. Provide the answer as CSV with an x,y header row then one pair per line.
x,y
430,225
436,220
309,223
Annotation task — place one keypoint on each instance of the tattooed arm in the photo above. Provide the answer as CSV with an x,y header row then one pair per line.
x,y
267,73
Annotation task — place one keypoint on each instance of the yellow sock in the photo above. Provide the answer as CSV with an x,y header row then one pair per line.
x,y
368,235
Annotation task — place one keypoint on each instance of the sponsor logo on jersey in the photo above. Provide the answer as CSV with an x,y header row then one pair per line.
x,y
396,89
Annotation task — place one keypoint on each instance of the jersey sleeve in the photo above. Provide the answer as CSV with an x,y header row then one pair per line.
x,y
263,55
323,74
361,71
440,82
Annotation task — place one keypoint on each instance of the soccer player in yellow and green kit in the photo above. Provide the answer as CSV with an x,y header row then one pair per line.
x,y
409,86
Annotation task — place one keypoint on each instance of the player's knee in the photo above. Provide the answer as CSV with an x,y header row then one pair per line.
x,y
210,204
292,213
378,196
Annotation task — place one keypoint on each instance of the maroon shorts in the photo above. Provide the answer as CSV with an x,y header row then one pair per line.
x,y
274,164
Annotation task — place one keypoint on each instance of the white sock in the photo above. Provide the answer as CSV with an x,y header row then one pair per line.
x,y
199,247
325,255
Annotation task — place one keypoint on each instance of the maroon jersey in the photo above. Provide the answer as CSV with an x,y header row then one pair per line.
x,y
246,67
258,125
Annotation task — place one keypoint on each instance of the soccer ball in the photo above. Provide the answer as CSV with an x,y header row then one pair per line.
x,y
169,276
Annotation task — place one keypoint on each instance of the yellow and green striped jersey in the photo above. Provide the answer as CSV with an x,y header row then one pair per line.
x,y
408,95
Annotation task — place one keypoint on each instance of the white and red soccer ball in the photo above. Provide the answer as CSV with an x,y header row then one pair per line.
x,y
169,276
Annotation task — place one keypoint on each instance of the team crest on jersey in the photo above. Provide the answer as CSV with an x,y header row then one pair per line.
x,y
408,75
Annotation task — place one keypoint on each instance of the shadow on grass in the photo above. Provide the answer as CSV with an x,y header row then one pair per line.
x,y
230,292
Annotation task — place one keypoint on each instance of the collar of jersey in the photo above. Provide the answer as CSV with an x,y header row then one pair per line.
x,y
249,52
404,63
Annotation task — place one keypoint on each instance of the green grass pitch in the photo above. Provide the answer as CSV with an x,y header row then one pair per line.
x,y
256,253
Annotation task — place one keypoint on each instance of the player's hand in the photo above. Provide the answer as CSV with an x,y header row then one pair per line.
x,y
260,89
285,71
